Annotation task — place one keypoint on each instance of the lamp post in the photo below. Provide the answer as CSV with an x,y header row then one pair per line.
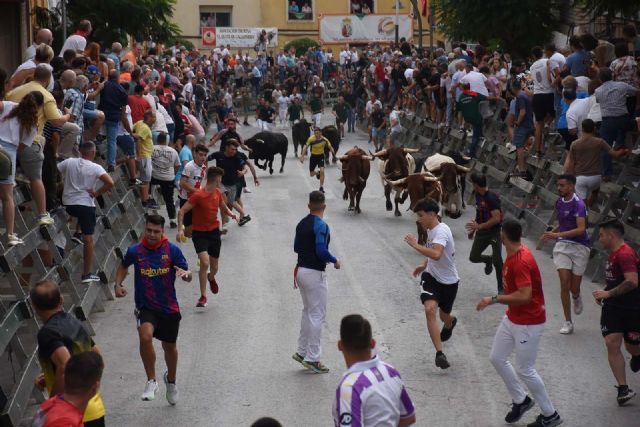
x,y
63,11
397,28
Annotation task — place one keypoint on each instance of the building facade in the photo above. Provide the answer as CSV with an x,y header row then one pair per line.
x,y
16,30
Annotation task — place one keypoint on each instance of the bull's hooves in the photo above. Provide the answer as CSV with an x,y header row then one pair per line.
x,y
271,172
281,171
397,213
351,209
389,209
358,211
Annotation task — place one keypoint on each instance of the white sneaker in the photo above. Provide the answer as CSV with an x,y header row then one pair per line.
x,y
567,328
45,219
577,304
150,390
172,391
246,190
14,240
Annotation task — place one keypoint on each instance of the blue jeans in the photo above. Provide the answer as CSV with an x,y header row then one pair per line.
x,y
171,128
557,97
475,139
112,133
351,120
614,131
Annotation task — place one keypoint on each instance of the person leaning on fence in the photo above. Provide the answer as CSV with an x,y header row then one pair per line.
x,y
61,336
82,376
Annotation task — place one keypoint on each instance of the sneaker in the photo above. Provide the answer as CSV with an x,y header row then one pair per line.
x,y
317,176
111,168
445,333
550,421
441,360
488,268
150,390
567,328
625,394
172,390
577,305
202,302
298,357
245,219
77,238
14,240
173,224
316,367
512,148
246,190
45,219
321,189
135,182
634,363
518,410
213,285
88,278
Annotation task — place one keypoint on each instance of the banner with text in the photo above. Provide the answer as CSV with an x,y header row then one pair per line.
x,y
246,37
369,28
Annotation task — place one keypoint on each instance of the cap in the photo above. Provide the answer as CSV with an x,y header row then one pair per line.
x,y
92,69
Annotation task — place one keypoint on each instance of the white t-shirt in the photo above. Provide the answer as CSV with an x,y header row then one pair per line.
x,y
75,43
228,100
30,64
80,176
167,117
583,83
164,160
187,91
541,82
408,74
577,112
283,103
595,113
558,59
344,55
121,129
369,106
160,125
476,81
443,270
195,176
10,129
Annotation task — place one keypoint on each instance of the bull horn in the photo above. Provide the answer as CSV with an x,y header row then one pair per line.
x,y
411,150
365,157
463,169
260,141
429,178
396,182
342,158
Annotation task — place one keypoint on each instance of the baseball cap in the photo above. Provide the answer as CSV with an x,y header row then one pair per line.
x,y
92,69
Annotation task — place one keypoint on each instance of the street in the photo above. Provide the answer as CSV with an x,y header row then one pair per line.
x,y
235,355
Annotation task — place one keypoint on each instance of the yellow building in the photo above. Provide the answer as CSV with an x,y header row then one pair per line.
x,y
16,29
192,15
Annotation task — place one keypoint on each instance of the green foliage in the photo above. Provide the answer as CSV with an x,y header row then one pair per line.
x,y
517,25
626,8
301,45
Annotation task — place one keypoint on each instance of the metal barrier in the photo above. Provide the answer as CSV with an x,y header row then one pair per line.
x,y
48,253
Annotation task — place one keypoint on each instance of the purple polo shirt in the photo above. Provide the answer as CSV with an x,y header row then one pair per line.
x,y
568,211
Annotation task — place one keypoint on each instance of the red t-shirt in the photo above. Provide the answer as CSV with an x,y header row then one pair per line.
x,y
205,209
622,261
57,412
138,106
520,270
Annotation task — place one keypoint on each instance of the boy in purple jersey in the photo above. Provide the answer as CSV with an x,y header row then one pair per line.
x,y
371,392
157,264
571,251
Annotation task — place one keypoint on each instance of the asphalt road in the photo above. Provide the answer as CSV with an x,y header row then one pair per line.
x,y
235,356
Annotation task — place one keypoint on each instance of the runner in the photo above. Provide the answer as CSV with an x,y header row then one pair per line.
x,y
341,111
485,229
571,252
204,204
316,106
620,300
312,246
439,280
157,264
371,392
520,329
317,142
191,181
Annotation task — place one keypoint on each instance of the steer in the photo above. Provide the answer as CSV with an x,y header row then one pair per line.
x,y
300,132
333,135
419,186
265,145
449,173
355,171
397,163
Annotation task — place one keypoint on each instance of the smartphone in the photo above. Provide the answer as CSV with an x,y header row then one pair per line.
x,y
68,103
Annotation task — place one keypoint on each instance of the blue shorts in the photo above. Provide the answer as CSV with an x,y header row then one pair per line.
x,y
376,133
86,217
520,136
127,145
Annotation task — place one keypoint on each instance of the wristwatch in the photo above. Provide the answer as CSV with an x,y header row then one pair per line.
x,y
494,299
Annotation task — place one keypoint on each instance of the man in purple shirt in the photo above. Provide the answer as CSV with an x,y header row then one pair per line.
x,y
571,252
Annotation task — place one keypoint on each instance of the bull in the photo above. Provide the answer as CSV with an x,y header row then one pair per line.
x,y
397,163
264,146
355,171
333,135
451,176
300,132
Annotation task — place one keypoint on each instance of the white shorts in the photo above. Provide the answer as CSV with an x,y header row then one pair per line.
x,y
587,184
571,256
316,119
145,170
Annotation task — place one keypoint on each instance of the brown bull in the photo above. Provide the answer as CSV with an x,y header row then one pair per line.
x,y
451,176
419,186
397,163
355,171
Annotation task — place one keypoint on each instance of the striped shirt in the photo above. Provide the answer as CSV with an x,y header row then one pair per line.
x,y
371,393
612,97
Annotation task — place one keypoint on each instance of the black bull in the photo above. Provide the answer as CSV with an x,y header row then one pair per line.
x,y
264,146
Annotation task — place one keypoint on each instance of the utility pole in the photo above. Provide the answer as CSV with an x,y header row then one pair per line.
x,y
63,11
397,28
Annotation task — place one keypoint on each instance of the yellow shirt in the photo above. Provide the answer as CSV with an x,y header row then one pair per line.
x,y
49,110
146,139
317,145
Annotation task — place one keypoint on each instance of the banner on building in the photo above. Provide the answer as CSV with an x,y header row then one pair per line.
x,y
369,28
209,36
246,37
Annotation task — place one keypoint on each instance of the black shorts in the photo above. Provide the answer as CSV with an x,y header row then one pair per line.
x,y
543,105
99,422
434,290
86,217
340,122
188,217
165,326
207,241
316,161
618,320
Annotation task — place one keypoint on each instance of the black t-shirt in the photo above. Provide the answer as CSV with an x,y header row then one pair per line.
x,y
230,134
230,165
405,48
268,89
265,113
424,76
486,203
377,118
434,80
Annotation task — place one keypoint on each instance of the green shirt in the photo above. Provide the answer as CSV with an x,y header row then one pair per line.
x,y
342,111
469,105
294,112
316,105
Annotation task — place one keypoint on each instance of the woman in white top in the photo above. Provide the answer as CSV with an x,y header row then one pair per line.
x,y
18,129
44,55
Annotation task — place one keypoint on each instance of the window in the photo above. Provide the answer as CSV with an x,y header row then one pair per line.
x,y
362,7
300,10
212,16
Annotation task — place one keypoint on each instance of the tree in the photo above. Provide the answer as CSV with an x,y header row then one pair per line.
x,y
513,25
625,9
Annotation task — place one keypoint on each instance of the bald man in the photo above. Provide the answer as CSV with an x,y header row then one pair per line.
x,y
44,35
116,51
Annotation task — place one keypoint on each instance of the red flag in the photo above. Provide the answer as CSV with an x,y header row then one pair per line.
x,y
425,8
